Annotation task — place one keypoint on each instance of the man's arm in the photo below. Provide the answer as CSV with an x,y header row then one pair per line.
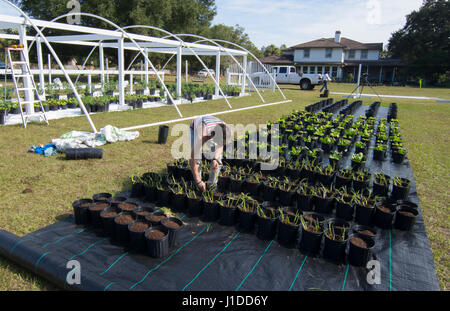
x,y
196,149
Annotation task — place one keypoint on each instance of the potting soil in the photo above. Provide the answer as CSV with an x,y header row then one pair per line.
x,y
210,256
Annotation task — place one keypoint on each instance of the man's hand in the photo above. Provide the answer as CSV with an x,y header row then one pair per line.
x,y
215,164
201,186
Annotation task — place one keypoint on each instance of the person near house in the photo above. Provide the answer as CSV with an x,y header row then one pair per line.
x,y
212,133
326,78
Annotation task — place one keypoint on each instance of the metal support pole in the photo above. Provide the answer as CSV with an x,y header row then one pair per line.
x,y
217,73
121,68
131,83
146,68
359,80
244,65
179,65
41,66
102,65
187,75
49,69
90,83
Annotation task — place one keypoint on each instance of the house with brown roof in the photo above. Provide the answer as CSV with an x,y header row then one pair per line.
x,y
340,57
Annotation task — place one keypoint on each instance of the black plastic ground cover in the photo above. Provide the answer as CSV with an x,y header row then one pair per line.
x,y
209,256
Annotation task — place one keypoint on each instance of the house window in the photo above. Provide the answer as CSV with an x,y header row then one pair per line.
x,y
328,53
351,54
327,70
319,69
306,53
312,69
305,69
334,72
364,54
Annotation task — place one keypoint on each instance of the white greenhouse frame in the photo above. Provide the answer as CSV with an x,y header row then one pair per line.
x,y
120,40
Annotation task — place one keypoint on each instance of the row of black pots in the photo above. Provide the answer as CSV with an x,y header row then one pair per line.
x,y
86,212
321,242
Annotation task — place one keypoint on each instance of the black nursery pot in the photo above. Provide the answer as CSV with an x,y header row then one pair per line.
x,y
246,221
358,186
211,211
179,202
224,182
345,210
364,215
252,187
269,193
342,182
137,236
228,215
173,226
266,228
157,247
94,210
137,190
286,197
358,254
107,218
115,201
143,211
101,197
379,155
397,157
150,193
405,221
236,186
287,234
334,250
195,207
81,211
380,190
323,206
163,196
155,221
365,230
310,242
121,229
400,193
304,202
325,180
384,219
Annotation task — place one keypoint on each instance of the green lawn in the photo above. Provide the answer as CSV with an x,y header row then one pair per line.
x,y
56,183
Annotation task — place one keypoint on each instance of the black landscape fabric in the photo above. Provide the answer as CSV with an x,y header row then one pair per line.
x,y
209,256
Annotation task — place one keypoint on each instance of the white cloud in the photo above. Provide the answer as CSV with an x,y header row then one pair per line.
x,y
294,21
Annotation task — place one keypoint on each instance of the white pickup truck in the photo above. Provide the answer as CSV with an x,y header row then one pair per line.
x,y
290,75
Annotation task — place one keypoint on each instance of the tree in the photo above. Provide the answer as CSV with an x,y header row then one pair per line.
x,y
272,50
424,40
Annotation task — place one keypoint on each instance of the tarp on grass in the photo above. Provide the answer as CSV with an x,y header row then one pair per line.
x,y
210,256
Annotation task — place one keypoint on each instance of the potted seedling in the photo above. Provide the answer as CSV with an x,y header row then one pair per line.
x,y
228,210
312,233
253,183
237,182
360,147
336,237
323,200
325,175
379,152
178,196
400,188
361,180
247,213
358,161
194,202
334,159
270,191
344,204
266,220
211,211
287,191
343,145
343,178
327,143
304,196
381,184
137,187
288,228
398,155
364,208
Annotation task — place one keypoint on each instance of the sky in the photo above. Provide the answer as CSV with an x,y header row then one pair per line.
x,y
292,22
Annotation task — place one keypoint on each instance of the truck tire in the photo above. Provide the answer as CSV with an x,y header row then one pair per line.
x,y
305,84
